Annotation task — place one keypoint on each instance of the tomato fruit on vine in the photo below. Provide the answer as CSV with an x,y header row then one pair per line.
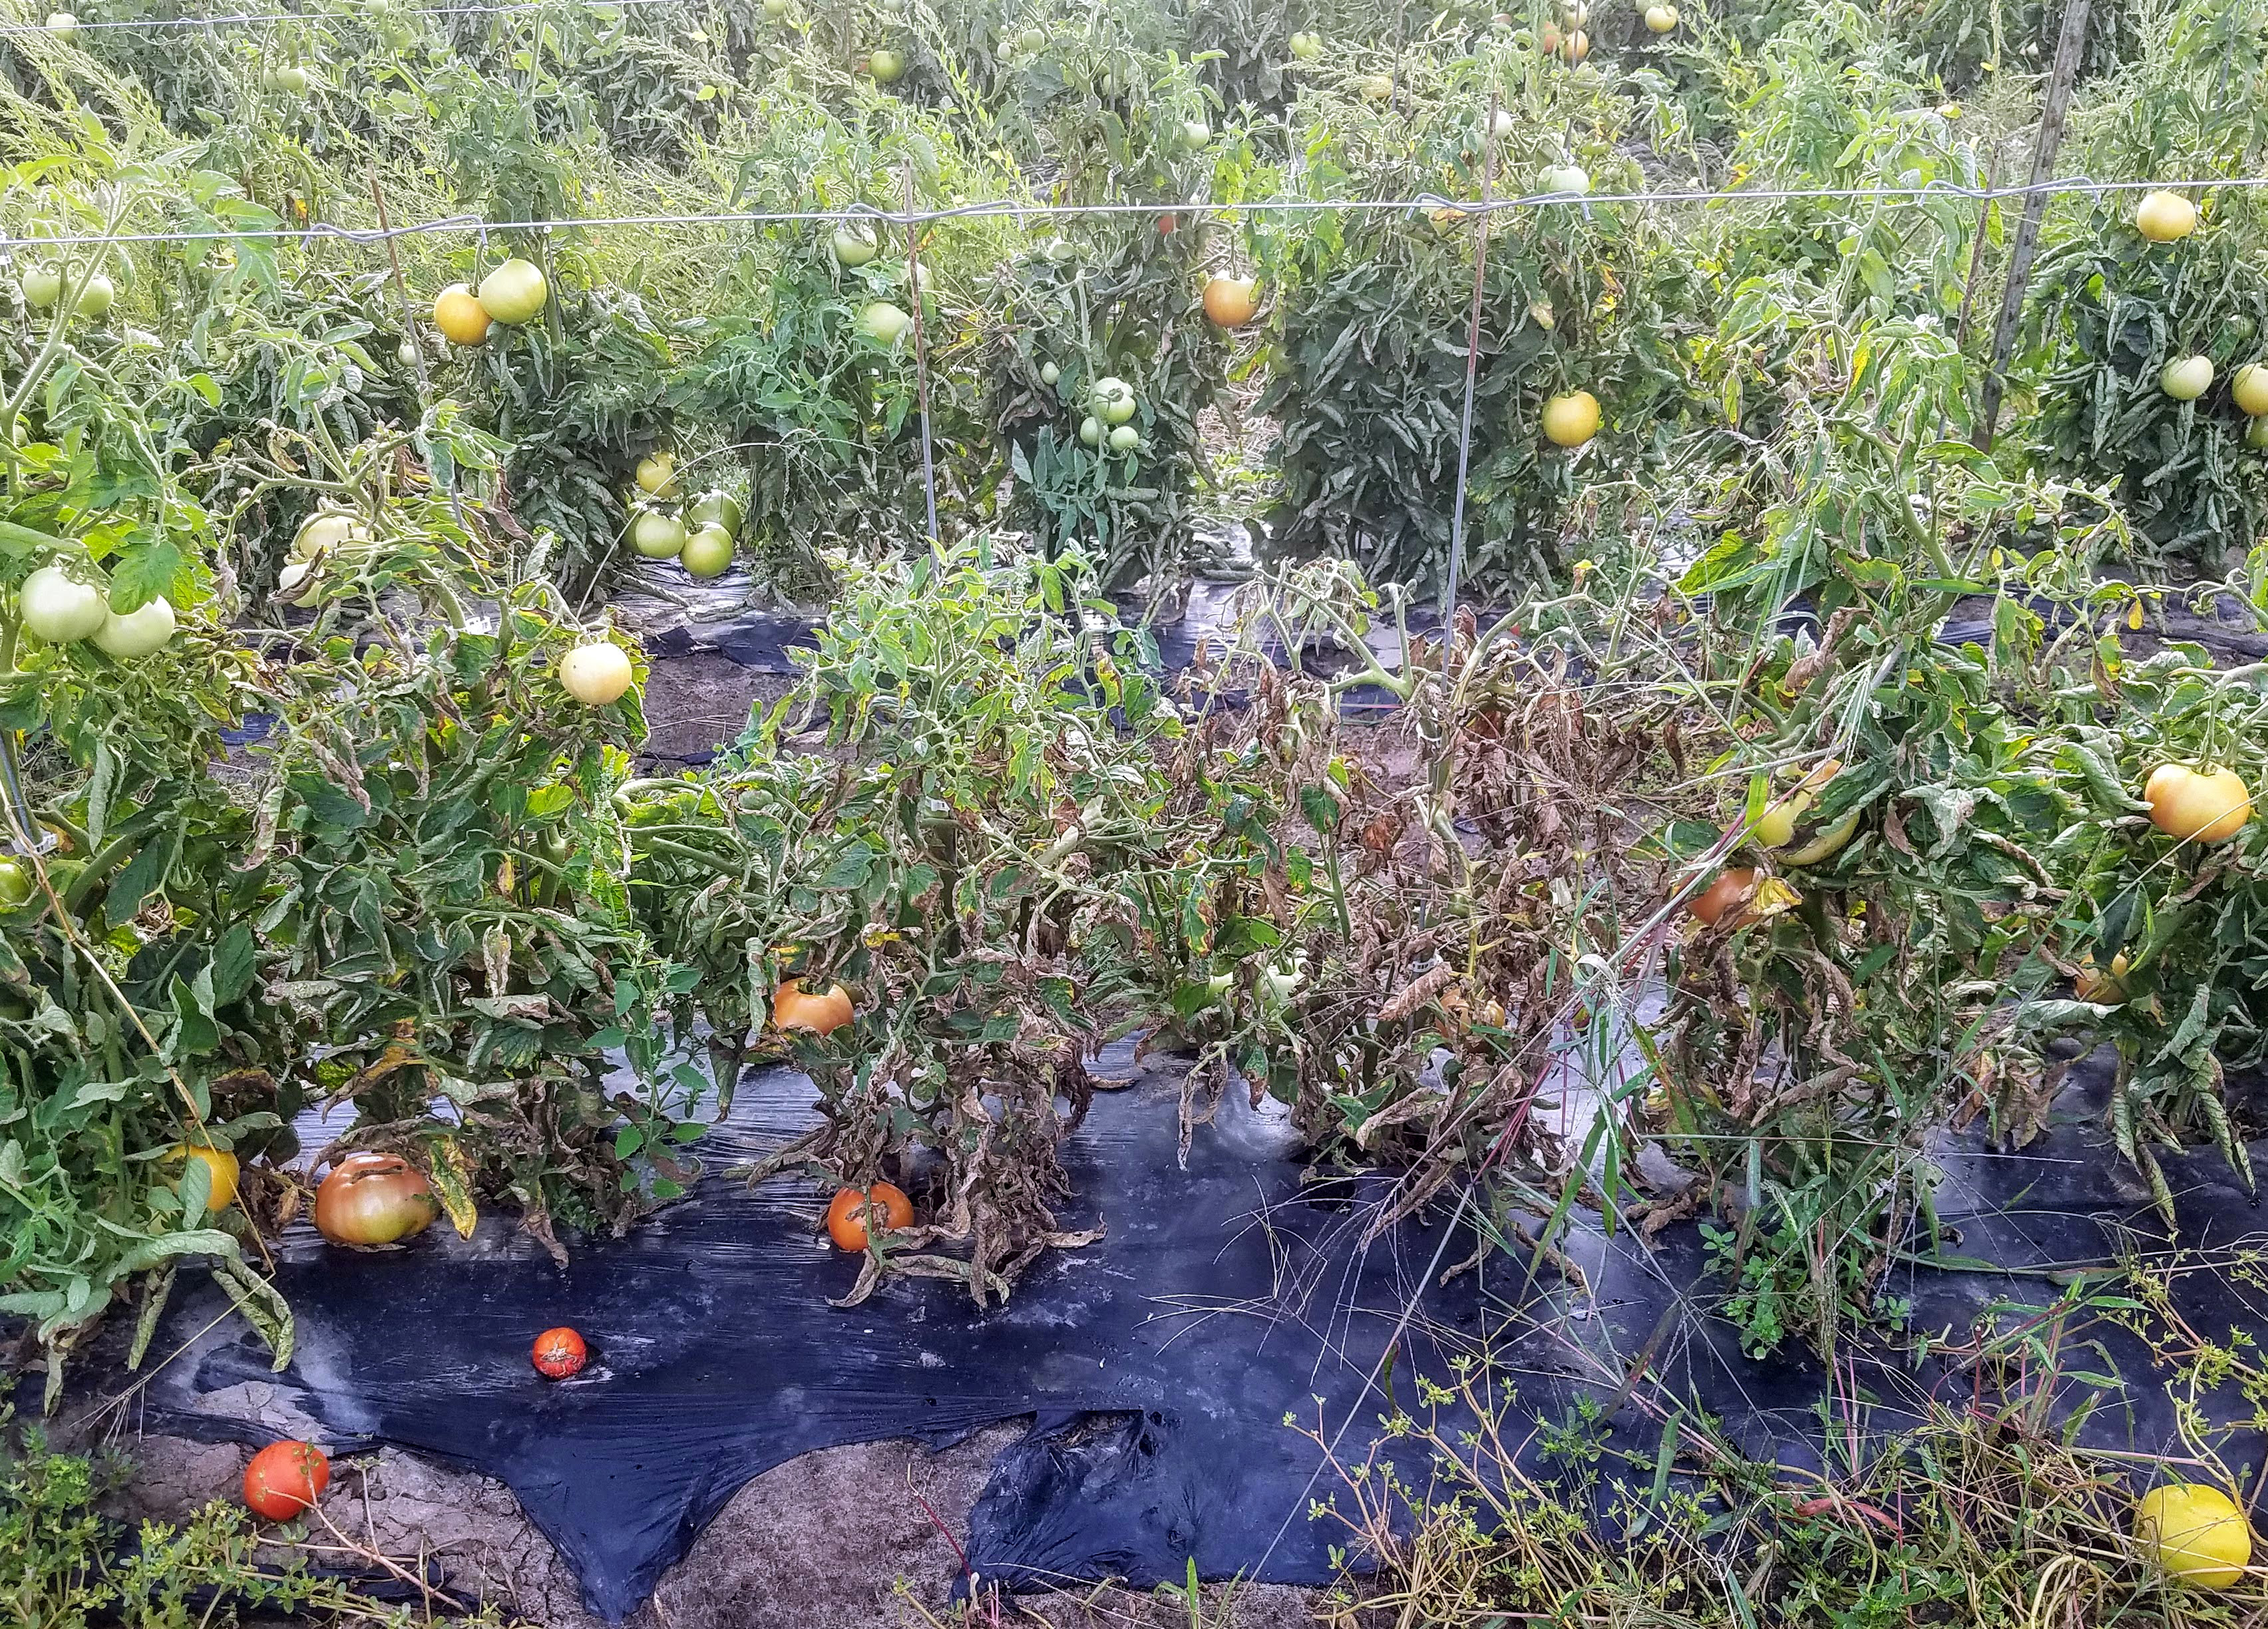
x,y
818,1013
596,673
374,1199
846,1215
2197,806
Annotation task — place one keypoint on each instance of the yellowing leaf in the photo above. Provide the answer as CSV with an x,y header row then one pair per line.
x,y
452,1176
1773,897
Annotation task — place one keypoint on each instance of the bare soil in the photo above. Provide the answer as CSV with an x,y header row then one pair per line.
x,y
837,1539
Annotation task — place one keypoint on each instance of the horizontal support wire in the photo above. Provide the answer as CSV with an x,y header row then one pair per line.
x,y
1465,207
238,19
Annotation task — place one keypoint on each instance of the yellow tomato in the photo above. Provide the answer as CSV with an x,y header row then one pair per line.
x,y
2104,989
459,315
219,1163
2195,1532
2163,216
1570,420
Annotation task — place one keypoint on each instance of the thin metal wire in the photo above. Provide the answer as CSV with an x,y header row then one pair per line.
x,y
1004,210
234,19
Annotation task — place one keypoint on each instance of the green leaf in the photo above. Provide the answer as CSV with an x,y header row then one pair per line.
x,y
145,571
138,880
851,868
235,964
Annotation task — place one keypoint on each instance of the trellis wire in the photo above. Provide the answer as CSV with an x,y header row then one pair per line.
x,y
1004,209
234,19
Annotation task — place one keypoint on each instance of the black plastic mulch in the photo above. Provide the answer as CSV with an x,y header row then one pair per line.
x,y
1160,1364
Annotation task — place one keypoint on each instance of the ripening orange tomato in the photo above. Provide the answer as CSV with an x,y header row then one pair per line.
x,y
2189,804
1229,302
846,1217
821,1012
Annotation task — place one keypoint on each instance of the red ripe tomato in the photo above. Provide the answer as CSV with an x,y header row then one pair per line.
x,y
1165,224
285,1479
846,1217
559,1352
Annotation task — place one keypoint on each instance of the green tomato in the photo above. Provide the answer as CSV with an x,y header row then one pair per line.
x,y
514,292
15,885
708,553
96,298
716,509
138,632
1125,439
658,537
1032,41
43,286
1090,431
886,65
60,608
882,322
854,245
2186,378
1049,373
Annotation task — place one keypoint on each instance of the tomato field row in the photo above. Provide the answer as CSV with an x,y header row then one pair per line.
x,y
1856,725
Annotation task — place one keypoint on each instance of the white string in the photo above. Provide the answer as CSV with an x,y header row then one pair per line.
x,y
1003,209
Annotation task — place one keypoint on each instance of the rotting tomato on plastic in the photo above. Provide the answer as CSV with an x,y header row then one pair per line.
x,y
558,1353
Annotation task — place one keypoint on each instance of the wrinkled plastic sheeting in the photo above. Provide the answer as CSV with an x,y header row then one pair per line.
x,y
674,617
1165,1363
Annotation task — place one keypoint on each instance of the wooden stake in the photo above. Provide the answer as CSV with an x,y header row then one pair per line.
x,y
2057,102
1472,375
921,354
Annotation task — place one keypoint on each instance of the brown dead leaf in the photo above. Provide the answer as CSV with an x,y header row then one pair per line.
x,y
1417,993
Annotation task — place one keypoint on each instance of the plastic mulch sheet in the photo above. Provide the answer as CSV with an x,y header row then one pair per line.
x,y
1160,1364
